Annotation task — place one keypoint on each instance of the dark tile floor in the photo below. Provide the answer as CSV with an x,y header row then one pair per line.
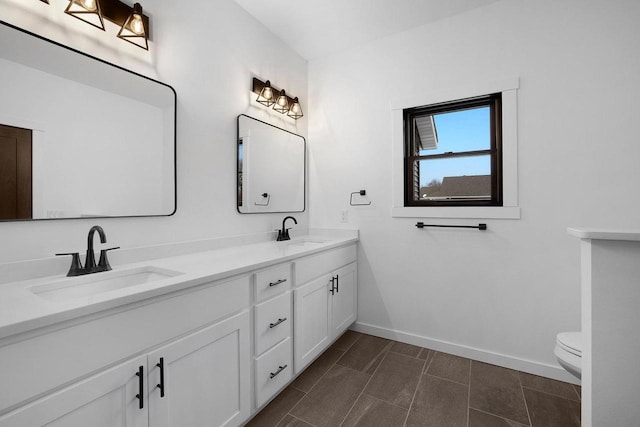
x,y
368,381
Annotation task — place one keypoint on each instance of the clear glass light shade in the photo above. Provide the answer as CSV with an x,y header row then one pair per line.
x,y
133,30
266,95
87,11
282,103
295,111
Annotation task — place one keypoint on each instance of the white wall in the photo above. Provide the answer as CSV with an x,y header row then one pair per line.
x,y
500,295
96,153
208,53
273,163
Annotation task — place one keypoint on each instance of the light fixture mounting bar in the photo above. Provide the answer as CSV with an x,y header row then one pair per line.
x,y
259,84
118,12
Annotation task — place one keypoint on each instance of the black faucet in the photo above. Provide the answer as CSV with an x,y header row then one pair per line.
x,y
284,233
90,261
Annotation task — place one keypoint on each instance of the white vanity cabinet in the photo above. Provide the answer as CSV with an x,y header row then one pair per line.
x,y
205,359
272,330
202,379
325,301
107,399
206,352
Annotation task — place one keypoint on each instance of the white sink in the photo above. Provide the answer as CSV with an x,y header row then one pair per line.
x,y
97,283
306,242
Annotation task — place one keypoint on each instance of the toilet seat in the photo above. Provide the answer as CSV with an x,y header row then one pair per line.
x,y
571,342
568,351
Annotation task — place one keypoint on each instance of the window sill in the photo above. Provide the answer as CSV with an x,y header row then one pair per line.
x,y
477,212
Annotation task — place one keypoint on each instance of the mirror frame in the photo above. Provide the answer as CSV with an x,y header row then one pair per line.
x,y
238,181
175,120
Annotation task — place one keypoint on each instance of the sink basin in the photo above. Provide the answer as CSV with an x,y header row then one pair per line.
x,y
305,242
97,283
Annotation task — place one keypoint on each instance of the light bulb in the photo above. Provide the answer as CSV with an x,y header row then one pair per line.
x,y
136,25
295,108
268,93
282,100
89,5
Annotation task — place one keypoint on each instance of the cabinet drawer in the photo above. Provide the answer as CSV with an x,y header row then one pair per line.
x,y
272,321
83,348
313,266
273,371
272,281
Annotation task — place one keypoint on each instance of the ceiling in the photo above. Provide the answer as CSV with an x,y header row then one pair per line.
x,y
316,28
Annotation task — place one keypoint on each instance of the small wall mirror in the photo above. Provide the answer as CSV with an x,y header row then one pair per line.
x,y
80,137
271,168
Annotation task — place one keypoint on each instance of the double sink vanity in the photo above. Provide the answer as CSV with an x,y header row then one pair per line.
x,y
201,338
198,333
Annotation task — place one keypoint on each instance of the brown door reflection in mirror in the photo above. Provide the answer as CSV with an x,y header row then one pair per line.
x,y
15,173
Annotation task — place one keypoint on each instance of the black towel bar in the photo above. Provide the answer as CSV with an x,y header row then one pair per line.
x,y
479,226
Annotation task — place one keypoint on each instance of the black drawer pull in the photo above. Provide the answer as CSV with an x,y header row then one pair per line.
x,y
277,282
280,369
161,385
140,396
333,286
273,325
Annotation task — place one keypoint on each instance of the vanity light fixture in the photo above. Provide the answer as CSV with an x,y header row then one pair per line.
x,y
281,102
265,97
133,30
87,11
295,111
134,25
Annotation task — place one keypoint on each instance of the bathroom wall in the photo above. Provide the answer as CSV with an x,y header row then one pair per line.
x,y
500,295
48,105
208,53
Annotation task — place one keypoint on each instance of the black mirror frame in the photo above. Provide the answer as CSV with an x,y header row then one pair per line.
x,y
175,120
238,180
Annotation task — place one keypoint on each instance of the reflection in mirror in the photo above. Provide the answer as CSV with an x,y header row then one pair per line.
x,y
271,168
80,137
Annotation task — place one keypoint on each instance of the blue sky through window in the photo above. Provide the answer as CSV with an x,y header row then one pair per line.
x,y
463,130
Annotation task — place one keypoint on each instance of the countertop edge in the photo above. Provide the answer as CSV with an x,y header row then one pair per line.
x,y
604,234
190,280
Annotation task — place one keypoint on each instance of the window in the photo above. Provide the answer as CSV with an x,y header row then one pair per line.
x,y
453,153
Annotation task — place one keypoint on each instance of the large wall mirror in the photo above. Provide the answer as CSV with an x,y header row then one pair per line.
x,y
271,168
80,137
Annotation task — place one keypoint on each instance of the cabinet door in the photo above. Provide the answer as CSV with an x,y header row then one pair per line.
x,y
312,328
107,399
344,300
206,377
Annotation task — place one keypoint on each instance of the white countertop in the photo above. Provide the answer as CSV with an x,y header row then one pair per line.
x,y
605,234
22,310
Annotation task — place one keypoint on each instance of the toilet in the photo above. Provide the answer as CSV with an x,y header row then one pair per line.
x,y
568,351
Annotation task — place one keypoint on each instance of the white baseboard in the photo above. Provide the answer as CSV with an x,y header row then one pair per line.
x,y
536,368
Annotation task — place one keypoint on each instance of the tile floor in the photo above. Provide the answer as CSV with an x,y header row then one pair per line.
x,y
368,381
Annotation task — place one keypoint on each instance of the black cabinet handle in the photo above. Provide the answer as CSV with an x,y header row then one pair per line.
x,y
333,288
337,283
161,385
280,369
277,282
273,325
140,396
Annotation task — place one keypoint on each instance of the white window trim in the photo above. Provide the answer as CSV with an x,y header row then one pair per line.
x,y
510,208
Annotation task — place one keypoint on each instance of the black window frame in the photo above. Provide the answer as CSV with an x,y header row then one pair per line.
x,y
411,152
